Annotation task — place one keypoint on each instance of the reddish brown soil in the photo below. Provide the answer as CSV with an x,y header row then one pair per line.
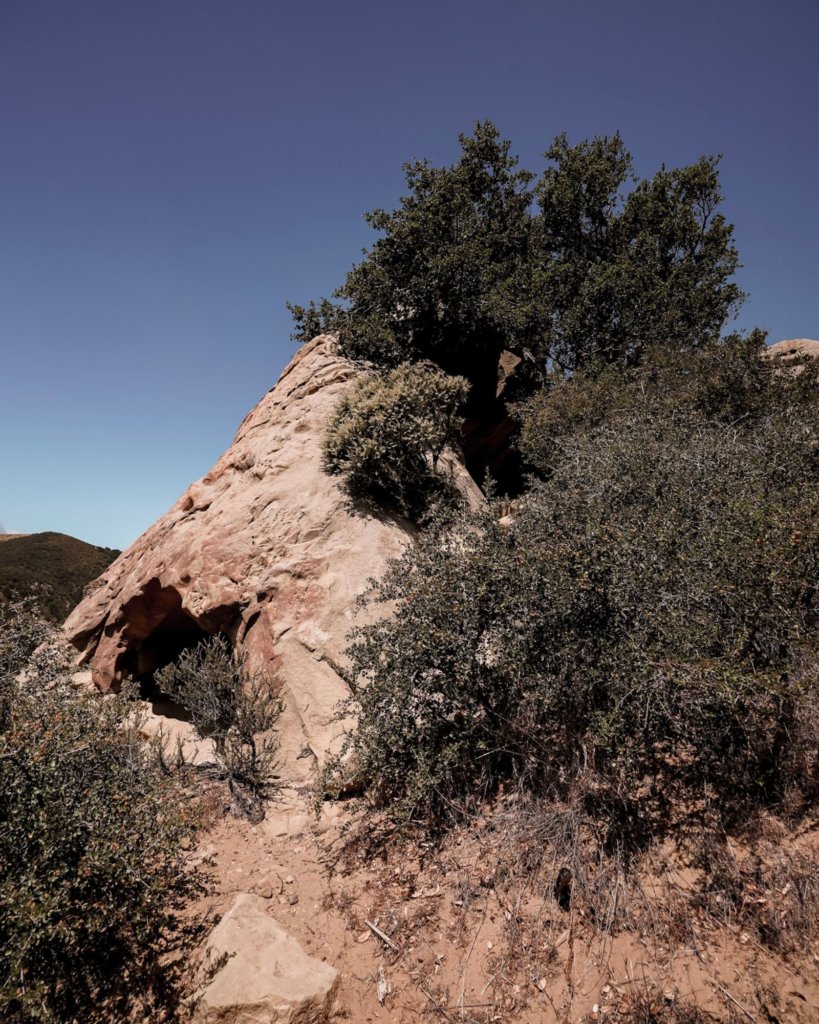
x,y
476,936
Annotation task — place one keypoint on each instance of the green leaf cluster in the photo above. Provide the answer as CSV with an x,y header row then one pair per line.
x,y
388,433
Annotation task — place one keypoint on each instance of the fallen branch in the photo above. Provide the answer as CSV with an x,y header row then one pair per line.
x,y
384,938
736,1002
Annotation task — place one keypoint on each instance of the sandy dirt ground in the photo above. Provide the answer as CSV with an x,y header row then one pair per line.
x,y
465,930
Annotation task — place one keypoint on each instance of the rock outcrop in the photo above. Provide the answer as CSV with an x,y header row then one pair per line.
x,y
265,975
794,348
263,549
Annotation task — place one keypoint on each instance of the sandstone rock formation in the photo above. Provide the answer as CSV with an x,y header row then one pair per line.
x,y
266,975
263,549
795,348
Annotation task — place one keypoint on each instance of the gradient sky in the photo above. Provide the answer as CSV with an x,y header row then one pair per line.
x,y
171,171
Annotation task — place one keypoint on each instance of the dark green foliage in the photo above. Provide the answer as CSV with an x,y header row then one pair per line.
x,y
623,269
728,382
387,435
586,266
313,319
647,617
91,866
235,709
51,567
440,282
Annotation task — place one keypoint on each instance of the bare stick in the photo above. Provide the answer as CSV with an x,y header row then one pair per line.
x,y
725,992
384,938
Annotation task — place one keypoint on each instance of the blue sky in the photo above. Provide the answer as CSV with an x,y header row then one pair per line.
x,y
171,171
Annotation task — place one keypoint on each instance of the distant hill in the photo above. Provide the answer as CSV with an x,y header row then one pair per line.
x,y
50,566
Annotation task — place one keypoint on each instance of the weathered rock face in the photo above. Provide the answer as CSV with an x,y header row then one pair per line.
x,y
266,976
795,348
263,549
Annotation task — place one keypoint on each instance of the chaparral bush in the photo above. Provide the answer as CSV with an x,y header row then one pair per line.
x,y
646,617
234,708
91,836
387,435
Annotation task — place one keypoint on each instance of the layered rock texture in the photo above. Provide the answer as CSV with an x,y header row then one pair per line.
x,y
263,549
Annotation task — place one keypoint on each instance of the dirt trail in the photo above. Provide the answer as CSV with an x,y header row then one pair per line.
x,y
454,933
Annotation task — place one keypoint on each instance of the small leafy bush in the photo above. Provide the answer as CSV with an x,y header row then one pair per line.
x,y
22,631
236,710
91,861
646,617
388,433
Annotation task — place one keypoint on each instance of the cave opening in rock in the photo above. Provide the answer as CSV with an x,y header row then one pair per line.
x,y
176,634
168,630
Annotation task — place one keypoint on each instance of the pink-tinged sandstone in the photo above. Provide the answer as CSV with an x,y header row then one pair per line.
x,y
795,348
263,549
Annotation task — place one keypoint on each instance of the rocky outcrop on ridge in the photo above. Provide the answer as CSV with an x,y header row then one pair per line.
x,y
795,348
263,549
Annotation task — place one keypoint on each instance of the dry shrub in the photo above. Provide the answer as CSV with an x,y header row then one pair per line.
x,y
771,893
652,1007
92,832
22,630
764,890
234,708
557,853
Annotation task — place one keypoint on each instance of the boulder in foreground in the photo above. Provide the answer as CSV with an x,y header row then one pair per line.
x,y
266,977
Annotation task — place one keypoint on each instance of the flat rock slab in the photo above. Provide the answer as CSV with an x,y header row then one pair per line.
x,y
267,976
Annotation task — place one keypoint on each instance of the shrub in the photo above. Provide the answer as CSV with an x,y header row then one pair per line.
x,y
235,709
647,617
22,631
726,382
388,433
91,865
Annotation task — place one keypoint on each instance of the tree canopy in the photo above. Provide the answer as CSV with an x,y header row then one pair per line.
x,y
619,272
584,265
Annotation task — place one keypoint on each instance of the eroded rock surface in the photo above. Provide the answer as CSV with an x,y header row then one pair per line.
x,y
263,549
266,976
795,348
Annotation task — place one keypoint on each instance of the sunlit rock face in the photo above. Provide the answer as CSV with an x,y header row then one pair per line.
x,y
794,348
263,549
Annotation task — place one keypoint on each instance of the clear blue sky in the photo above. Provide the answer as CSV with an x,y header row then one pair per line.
x,y
171,171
